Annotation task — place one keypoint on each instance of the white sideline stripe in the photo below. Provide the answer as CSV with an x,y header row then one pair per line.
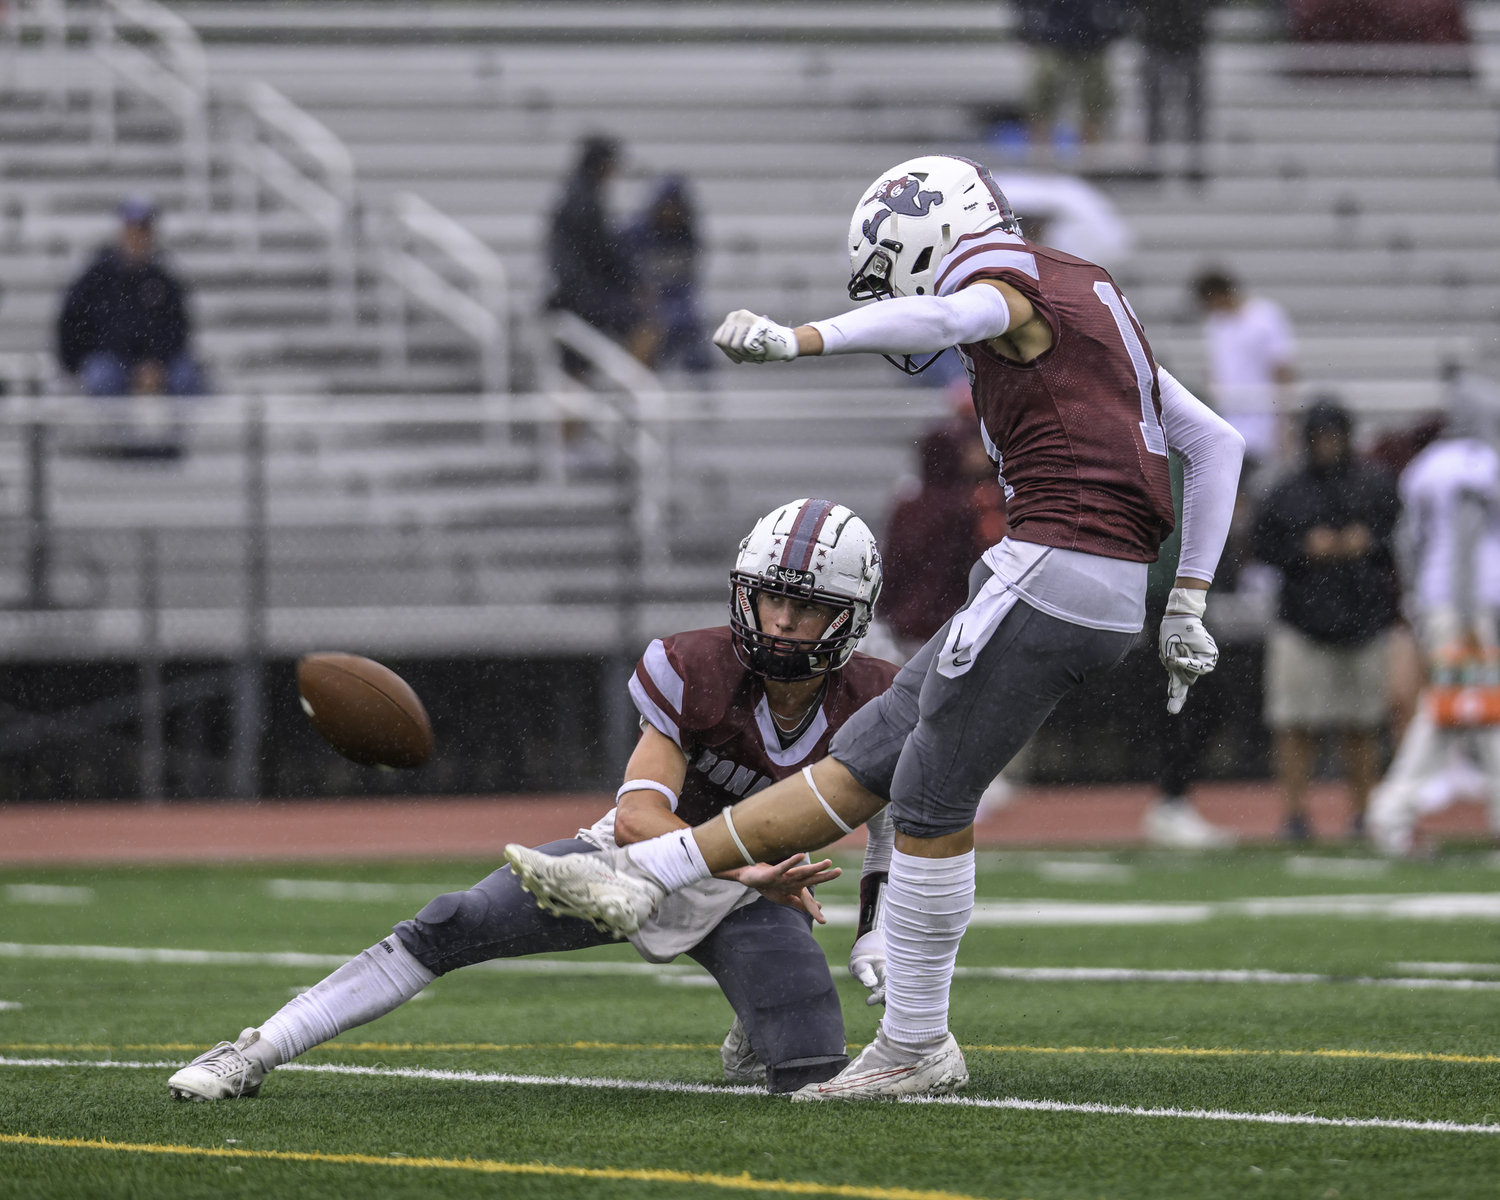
x,y
337,889
291,958
1207,1114
1416,906
1448,968
9,1005
584,1081
706,1089
46,893
693,975
1131,975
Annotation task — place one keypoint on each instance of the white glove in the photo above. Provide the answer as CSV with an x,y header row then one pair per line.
x,y
1187,649
748,338
867,964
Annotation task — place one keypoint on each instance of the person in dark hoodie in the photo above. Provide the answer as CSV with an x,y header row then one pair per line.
x,y
124,326
591,269
663,244
1329,528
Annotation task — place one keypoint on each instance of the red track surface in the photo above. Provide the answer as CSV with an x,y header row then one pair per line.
x,y
281,831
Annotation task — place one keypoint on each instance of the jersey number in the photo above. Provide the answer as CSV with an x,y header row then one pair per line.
x,y
1151,430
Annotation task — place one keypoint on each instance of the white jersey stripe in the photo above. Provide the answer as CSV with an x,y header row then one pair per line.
x,y
988,259
652,711
663,674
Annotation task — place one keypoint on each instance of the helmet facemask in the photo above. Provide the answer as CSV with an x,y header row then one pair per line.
x,y
872,281
786,659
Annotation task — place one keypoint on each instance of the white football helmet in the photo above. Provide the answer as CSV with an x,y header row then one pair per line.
x,y
910,218
814,550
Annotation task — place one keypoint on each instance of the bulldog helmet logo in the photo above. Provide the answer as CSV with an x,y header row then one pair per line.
x,y
904,196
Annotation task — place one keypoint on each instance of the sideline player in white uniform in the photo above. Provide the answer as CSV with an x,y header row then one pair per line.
x,y
724,713
1078,419
1448,545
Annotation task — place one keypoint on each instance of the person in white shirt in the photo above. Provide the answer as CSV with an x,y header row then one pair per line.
x,y
1449,550
1251,355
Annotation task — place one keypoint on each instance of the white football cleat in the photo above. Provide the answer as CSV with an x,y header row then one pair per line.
x,y
586,886
740,1063
224,1073
883,1071
1177,825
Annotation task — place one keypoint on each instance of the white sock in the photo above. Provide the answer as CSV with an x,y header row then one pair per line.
x,y
928,902
373,983
673,859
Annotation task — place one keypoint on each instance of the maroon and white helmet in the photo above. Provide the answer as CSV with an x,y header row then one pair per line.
x,y
812,550
907,221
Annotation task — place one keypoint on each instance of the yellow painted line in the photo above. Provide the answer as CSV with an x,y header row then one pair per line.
x,y
742,1183
980,1048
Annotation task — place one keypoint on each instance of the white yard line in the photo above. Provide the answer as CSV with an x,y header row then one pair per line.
x,y
701,1089
1130,975
339,889
691,975
1412,906
291,958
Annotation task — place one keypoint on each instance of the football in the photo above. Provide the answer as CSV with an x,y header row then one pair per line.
x,y
365,711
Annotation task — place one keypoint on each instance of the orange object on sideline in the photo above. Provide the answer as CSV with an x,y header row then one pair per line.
x,y
1464,707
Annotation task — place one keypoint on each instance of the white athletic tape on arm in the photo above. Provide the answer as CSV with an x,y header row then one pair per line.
x,y
734,835
828,808
647,785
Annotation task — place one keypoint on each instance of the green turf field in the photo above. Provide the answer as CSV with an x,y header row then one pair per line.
x,y
1243,1050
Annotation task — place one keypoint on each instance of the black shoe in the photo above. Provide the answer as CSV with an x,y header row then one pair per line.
x,y
1296,829
1357,828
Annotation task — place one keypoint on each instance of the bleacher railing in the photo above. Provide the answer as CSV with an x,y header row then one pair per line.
x,y
284,150
140,44
410,234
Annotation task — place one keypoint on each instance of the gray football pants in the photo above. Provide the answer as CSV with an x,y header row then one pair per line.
x,y
931,744
764,956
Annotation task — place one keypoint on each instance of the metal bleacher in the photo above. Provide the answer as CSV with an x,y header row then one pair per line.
x,y
407,506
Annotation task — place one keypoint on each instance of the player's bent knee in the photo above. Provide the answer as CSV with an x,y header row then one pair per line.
x,y
443,925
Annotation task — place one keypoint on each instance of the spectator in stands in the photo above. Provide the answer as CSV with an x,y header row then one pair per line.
x,y
124,327
1328,529
591,269
1070,39
1251,354
663,242
1172,34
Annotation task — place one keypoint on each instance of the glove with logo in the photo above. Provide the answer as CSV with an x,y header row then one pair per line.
x,y
867,964
746,337
1187,649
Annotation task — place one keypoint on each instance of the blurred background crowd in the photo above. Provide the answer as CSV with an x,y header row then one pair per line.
x,y
332,326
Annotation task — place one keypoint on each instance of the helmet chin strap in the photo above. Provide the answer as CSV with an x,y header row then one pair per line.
x,y
909,365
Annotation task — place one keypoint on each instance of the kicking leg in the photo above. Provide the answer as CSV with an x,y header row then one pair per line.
x,y
493,919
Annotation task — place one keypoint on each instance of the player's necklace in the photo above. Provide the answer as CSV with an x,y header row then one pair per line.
x,y
797,720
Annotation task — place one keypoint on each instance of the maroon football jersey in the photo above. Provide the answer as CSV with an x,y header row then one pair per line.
x,y
1077,432
693,688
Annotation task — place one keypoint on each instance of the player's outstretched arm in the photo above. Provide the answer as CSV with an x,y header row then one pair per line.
x,y
904,325
1211,451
